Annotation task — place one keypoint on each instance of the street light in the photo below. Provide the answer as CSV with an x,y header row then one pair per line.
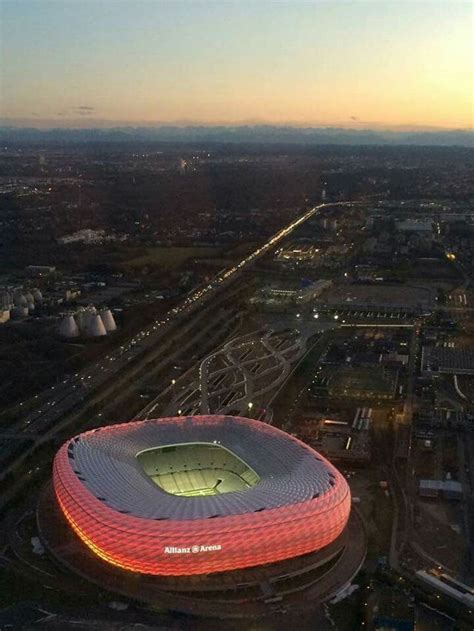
x,y
250,406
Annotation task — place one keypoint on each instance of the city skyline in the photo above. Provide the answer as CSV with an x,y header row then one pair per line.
x,y
361,64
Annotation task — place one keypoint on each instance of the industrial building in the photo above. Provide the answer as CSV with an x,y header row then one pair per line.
x,y
290,293
297,252
447,360
342,441
448,489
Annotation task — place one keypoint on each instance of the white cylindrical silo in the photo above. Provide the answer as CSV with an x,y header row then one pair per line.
x,y
108,320
9,297
95,327
85,317
20,300
4,300
30,303
68,327
37,295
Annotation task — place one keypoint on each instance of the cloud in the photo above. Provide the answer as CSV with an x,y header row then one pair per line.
x,y
82,110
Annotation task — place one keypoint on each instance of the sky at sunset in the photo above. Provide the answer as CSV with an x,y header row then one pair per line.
x,y
378,63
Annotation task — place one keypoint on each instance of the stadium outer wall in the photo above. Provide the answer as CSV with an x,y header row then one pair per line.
x,y
200,546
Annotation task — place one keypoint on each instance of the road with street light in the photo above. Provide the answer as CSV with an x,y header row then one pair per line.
x,y
237,376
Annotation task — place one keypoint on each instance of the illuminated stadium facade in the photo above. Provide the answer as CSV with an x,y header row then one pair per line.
x,y
187,496
198,513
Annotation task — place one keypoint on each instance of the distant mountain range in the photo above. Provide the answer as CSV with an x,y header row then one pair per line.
x,y
265,134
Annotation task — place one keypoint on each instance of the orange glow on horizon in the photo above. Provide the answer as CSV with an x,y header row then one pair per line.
x,y
349,64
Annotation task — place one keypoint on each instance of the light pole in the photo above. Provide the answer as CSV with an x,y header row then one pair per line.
x,y
250,406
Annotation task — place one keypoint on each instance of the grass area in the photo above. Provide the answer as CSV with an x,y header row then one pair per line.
x,y
382,518
242,249
164,258
362,382
436,268
13,588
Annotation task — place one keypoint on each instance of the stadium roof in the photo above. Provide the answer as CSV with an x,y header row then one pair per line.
x,y
105,460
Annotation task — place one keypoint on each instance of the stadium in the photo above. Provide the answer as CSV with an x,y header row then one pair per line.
x,y
201,512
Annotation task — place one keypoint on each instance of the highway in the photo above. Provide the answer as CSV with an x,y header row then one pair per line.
x,y
54,404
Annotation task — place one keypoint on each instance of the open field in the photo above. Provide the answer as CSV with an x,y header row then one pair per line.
x,y
362,382
164,258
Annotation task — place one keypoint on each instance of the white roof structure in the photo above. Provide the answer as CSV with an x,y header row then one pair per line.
x,y
289,472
